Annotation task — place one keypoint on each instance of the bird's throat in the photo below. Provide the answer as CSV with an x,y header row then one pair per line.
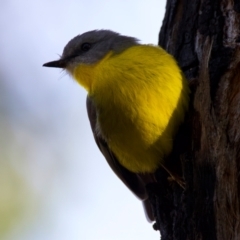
x,y
84,75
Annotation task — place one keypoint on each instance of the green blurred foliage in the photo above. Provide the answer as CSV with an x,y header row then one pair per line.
x,y
15,193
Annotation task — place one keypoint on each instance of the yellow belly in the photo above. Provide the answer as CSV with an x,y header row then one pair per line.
x,y
139,146
141,97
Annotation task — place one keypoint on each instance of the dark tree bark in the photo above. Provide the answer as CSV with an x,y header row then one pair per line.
x,y
204,36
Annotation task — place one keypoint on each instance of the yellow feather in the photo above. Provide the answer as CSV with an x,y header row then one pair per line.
x,y
141,97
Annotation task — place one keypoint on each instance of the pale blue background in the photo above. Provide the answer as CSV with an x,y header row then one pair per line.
x,y
54,183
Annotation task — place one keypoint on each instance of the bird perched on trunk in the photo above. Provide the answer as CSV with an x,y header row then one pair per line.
x,y
137,99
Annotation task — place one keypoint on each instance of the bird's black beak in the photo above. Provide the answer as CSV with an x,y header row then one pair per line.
x,y
57,64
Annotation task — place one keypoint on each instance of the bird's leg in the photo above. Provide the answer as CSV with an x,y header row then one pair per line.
x,y
174,177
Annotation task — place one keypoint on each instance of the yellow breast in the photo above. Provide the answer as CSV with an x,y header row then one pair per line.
x,y
141,96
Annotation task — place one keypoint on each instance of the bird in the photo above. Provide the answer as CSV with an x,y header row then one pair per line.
x,y
137,98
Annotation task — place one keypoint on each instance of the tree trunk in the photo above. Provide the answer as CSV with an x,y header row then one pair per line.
x,y
204,36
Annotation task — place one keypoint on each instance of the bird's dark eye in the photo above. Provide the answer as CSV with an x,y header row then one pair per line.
x,y
85,47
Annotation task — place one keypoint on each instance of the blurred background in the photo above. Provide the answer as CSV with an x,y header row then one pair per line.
x,y
54,182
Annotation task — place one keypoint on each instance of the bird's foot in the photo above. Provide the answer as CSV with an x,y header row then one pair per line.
x,y
178,180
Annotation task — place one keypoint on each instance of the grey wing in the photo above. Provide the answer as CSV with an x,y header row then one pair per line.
x,y
132,180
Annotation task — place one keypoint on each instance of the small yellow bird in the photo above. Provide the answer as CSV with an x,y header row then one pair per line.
x,y
137,99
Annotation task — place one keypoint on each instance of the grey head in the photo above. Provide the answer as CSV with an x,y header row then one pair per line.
x,y
90,47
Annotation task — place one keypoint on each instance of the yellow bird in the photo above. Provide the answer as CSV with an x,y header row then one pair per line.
x,y
137,98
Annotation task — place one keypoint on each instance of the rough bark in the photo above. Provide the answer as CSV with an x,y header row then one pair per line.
x,y
204,36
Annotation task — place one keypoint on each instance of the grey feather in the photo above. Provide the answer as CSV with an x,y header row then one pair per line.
x,y
101,41
135,182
